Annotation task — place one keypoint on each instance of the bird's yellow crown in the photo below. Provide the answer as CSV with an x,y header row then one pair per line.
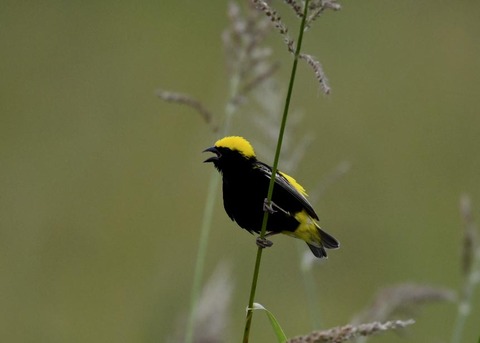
x,y
245,148
236,143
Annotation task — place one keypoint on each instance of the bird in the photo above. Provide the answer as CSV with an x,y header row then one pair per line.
x,y
245,183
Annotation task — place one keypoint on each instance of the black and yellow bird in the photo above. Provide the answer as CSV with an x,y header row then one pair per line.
x,y
245,186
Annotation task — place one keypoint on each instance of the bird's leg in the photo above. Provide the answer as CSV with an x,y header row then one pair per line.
x,y
272,208
264,242
268,206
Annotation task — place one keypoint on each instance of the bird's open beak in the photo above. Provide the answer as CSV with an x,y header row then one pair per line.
x,y
213,158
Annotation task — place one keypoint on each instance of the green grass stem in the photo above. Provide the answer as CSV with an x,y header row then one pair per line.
x,y
248,321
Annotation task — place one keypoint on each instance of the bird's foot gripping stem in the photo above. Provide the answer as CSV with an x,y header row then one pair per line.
x,y
272,208
263,243
268,206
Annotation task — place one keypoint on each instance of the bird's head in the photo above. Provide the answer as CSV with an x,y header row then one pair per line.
x,y
231,151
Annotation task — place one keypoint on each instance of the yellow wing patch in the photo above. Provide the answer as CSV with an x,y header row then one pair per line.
x,y
236,143
294,183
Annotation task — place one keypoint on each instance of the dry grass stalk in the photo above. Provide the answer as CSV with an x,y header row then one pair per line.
x,y
470,268
213,307
212,310
318,70
260,78
248,60
184,99
469,245
273,15
401,298
319,6
266,121
295,7
348,332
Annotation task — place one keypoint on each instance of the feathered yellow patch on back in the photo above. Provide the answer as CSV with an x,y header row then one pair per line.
x,y
295,184
236,143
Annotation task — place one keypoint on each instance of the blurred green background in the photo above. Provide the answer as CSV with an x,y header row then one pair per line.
x,y
103,186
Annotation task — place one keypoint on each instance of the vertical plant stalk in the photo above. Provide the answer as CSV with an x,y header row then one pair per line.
x,y
248,321
207,217
471,269
465,304
310,288
201,254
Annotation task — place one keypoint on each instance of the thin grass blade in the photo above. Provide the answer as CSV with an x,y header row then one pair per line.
x,y
281,337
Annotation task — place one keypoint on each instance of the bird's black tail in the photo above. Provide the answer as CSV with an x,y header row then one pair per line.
x,y
317,251
327,241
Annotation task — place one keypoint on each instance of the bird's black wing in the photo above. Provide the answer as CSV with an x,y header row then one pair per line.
x,y
281,181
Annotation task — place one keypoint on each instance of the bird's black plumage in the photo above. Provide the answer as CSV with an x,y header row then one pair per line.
x,y
245,186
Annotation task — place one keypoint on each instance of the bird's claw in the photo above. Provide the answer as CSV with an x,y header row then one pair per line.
x,y
263,243
268,206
